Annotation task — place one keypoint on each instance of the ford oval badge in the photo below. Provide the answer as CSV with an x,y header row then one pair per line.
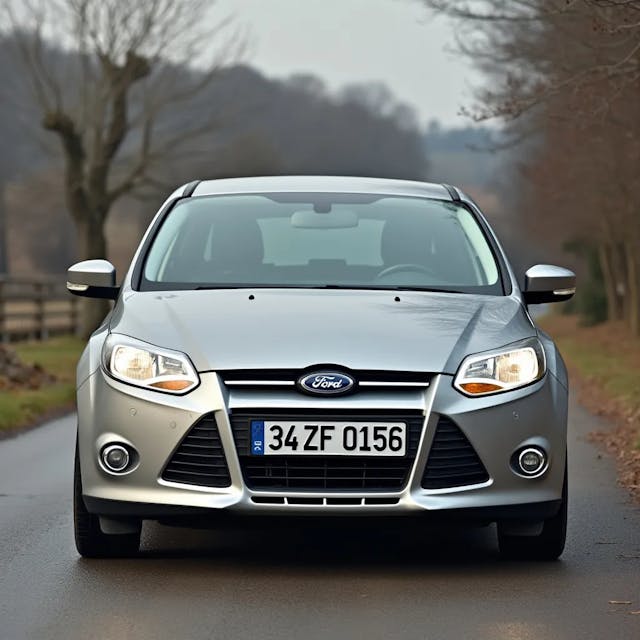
x,y
326,383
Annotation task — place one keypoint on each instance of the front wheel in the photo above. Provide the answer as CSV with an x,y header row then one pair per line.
x,y
547,545
91,542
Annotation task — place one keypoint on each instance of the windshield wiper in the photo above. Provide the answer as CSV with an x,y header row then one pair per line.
x,y
208,287
382,288
429,289
343,287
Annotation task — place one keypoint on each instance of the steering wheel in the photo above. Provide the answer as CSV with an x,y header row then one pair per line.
x,y
405,267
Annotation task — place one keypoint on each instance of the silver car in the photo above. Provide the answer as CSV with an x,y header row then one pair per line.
x,y
321,347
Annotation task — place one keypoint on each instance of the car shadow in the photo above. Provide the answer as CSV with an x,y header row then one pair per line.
x,y
324,545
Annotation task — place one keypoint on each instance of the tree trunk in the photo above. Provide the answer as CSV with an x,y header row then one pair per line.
x,y
614,308
92,244
621,265
633,290
4,257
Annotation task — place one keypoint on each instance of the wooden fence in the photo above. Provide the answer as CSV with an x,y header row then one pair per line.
x,y
35,308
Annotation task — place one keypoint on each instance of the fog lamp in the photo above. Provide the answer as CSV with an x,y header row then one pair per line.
x,y
531,461
115,458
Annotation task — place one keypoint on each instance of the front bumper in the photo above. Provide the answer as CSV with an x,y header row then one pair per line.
x,y
154,424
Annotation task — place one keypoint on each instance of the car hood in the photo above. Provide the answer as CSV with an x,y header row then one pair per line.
x,y
298,328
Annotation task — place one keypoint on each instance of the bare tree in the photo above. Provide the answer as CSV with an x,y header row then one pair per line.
x,y
128,65
534,50
568,72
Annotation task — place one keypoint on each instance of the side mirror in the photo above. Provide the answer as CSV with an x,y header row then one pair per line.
x,y
93,279
548,283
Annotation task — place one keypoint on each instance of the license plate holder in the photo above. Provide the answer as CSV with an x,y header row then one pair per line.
x,y
328,438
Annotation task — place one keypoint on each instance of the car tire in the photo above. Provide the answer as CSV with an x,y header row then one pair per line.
x,y
547,545
91,542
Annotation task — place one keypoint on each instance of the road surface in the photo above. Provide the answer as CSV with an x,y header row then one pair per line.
x,y
300,584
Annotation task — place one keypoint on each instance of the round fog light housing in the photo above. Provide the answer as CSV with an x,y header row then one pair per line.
x,y
532,461
115,458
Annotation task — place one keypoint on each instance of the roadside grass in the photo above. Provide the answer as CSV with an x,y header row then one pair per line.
x,y
605,356
604,364
25,407
58,356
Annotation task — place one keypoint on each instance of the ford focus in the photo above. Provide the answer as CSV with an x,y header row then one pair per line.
x,y
322,347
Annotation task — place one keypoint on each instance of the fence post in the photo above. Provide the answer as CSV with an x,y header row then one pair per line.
x,y
41,320
33,308
3,333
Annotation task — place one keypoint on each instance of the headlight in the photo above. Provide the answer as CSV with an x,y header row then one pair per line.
x,y
503,370
144,365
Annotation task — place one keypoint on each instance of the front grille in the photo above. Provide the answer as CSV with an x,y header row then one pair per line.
x,y
367,379
326,473
199,459
453,462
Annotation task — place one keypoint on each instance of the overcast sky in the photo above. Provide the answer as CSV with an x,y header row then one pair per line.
x,y
343,41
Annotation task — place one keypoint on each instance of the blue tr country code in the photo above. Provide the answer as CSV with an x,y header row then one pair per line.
x,y
257,437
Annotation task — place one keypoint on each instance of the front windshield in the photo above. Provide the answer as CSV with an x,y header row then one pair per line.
x,y
320,240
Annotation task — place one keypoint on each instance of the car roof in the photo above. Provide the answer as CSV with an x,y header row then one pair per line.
x,y
328,184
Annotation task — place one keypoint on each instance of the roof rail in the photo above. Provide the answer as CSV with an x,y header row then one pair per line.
x,y
190,188
453,192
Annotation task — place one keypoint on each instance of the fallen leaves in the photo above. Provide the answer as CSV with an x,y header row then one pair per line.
x,y
15,374
612,340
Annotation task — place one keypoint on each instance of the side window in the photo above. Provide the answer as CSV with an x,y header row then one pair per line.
x,y
182,248
208,245
164,244
483,256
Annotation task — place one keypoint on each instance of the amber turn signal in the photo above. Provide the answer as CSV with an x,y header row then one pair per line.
x,y
172,385
479,387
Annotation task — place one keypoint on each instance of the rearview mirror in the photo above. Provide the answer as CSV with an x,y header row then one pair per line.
x,y
331,220
548,283
93,279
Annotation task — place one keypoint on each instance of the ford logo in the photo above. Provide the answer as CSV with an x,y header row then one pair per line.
x,y
326,383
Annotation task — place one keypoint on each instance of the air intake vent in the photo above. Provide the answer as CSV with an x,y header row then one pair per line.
x,y
453,462
200,457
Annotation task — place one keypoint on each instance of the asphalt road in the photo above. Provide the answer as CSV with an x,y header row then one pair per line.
x,y
302,584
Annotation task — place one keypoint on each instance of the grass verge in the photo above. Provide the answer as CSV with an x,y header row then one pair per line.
x,y
25,407
604,364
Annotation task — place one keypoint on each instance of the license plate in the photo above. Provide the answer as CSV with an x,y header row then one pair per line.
x,y
295,438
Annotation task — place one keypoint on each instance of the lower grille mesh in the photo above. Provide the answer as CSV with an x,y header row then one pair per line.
x,y
326,473
200,457
453,462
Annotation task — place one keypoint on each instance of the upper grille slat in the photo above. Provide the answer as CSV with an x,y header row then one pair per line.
x,y
278,379
319,473
448,456
199,464
452,462
207,465
202,452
